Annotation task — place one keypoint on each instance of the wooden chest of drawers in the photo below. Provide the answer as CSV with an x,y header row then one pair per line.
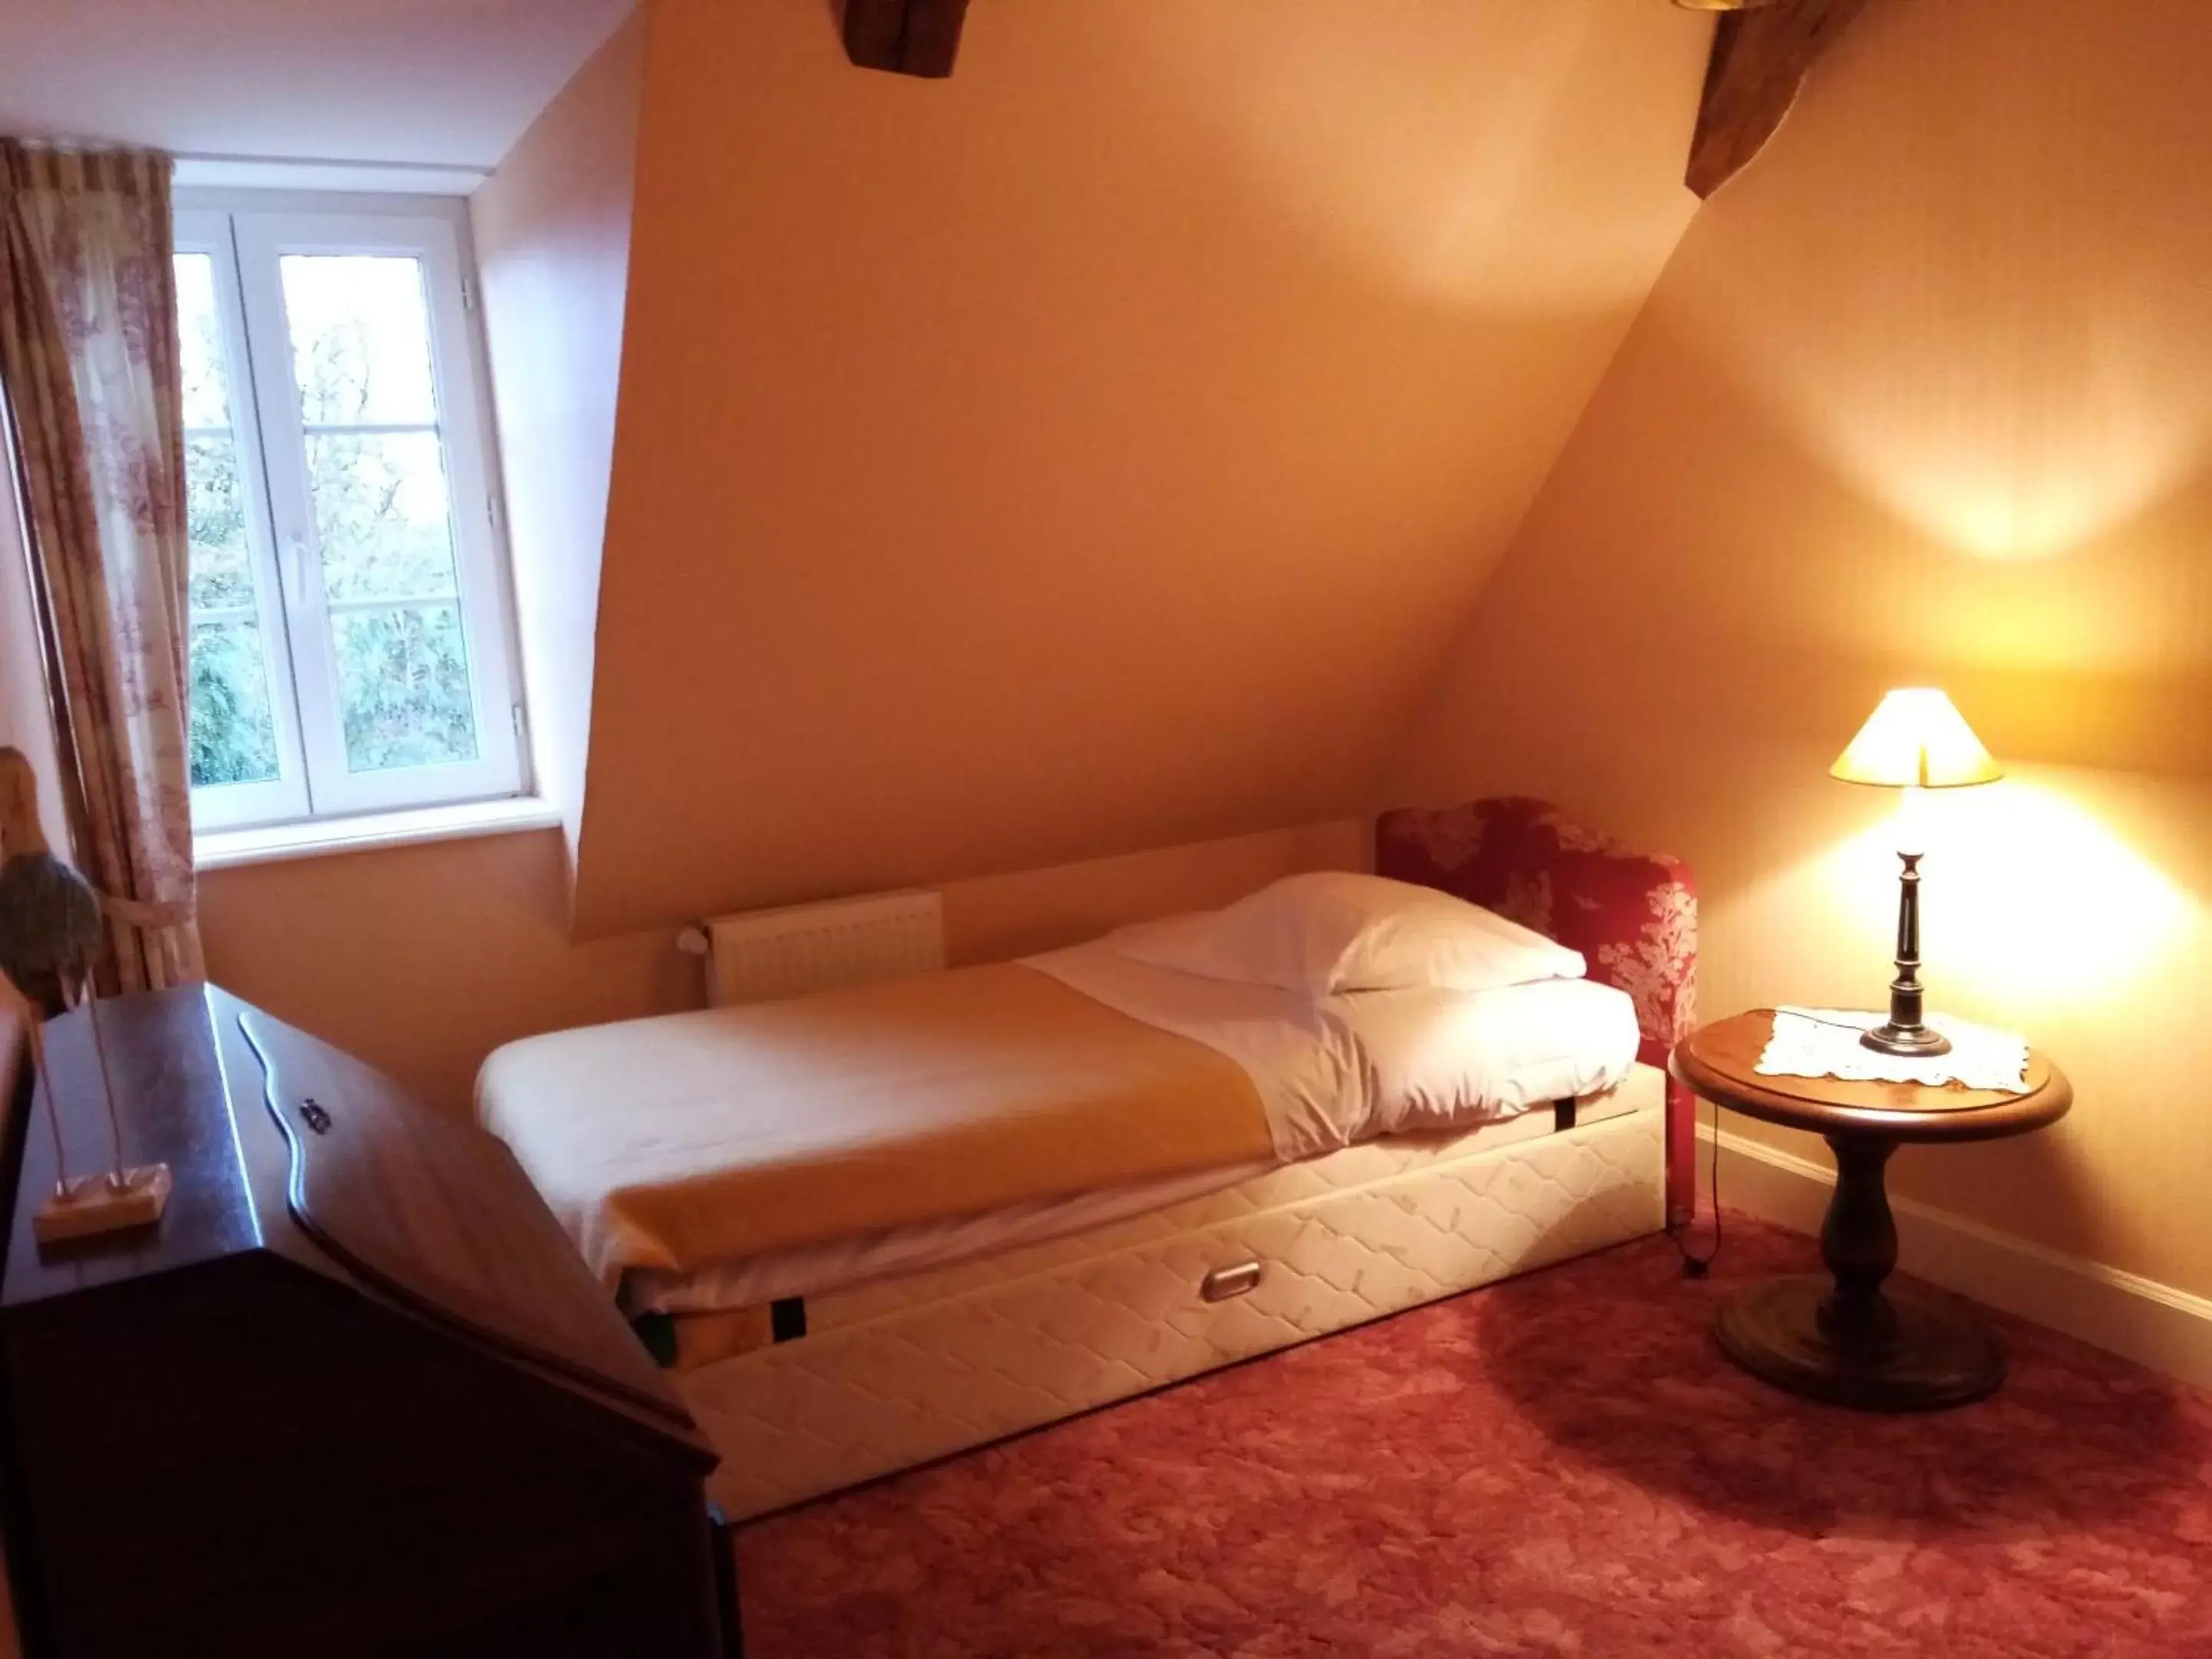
x,y
354,1395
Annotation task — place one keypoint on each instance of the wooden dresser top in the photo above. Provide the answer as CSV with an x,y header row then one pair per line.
x,y
282,1145
172,1103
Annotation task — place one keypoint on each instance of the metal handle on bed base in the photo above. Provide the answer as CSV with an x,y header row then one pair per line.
x,y
1224,1282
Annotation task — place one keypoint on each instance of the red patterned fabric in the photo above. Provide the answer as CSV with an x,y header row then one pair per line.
x,y
1632,915
89,366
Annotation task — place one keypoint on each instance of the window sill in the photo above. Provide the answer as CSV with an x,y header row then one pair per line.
x,y
226,850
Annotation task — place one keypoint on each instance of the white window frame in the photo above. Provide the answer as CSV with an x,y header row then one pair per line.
x,y
247,234
285,798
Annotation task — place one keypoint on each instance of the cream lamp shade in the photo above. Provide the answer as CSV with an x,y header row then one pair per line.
x,y
1916,738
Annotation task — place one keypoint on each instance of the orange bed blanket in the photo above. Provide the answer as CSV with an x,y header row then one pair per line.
x,y
678,1142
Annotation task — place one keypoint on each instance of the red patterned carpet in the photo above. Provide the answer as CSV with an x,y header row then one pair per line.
x,y
1559,1465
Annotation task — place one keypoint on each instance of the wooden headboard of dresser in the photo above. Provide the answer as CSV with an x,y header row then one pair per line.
x,y
1633,916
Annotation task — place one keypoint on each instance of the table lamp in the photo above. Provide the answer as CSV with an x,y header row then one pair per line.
x,y
1914,740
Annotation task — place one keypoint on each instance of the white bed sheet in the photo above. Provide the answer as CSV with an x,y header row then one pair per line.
x,y
1346,1069
1351,1068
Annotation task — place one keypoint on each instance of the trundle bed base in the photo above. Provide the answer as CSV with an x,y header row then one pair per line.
x,y
893,1375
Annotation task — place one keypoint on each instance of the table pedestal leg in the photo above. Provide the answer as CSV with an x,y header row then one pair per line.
x,y
1858,1242
1844,1337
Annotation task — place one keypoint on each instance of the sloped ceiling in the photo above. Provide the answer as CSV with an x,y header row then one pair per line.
x,y
424,83
1924,397
1099,449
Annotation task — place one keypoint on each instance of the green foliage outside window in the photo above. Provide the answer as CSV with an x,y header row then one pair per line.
x,y
383,524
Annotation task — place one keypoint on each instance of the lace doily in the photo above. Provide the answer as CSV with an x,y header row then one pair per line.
x,y
1824,1042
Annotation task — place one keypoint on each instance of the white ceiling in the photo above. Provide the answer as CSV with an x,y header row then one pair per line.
x,y
420,82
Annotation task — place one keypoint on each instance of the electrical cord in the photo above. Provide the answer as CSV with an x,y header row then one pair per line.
x,y
1833,1024
1695,1266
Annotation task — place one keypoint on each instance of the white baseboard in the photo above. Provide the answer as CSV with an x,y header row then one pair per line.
x,y
2151,1323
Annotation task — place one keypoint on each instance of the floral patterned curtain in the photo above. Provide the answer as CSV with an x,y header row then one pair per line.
x,y
88,365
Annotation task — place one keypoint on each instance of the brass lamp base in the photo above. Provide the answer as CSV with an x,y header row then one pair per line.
x,y
1905,1033
1914,1042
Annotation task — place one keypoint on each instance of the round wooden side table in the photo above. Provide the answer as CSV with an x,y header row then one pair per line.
x,y
1842,1337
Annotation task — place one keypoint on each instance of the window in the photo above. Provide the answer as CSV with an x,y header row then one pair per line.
x,y
350,636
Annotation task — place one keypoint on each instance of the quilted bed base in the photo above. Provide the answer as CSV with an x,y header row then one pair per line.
x,y
896,1375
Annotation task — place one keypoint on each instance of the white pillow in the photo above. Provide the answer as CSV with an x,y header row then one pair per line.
x,y
1332,930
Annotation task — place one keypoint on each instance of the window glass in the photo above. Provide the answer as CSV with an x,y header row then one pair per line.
x,y
403,677
206,398
360,338
383,510
233,731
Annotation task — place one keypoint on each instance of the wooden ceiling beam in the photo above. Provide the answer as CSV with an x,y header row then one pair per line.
x,y
1760,59
906,37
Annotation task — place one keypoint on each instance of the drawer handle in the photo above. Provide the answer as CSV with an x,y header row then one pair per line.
x,y
1224,1282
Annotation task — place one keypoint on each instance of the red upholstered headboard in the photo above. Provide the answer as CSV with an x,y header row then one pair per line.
x,y
1632,915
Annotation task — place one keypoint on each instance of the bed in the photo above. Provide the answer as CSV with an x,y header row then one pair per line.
x,y
874,1228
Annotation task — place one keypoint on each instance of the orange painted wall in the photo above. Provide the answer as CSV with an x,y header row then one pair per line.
x,y
551,228
423,959
1099,449
1925,396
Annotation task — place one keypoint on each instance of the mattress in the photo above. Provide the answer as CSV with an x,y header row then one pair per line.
x,y
1432,1062
685,1143
904,1369
676,1142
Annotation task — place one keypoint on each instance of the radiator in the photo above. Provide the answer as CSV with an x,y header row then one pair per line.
x,y
765,954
